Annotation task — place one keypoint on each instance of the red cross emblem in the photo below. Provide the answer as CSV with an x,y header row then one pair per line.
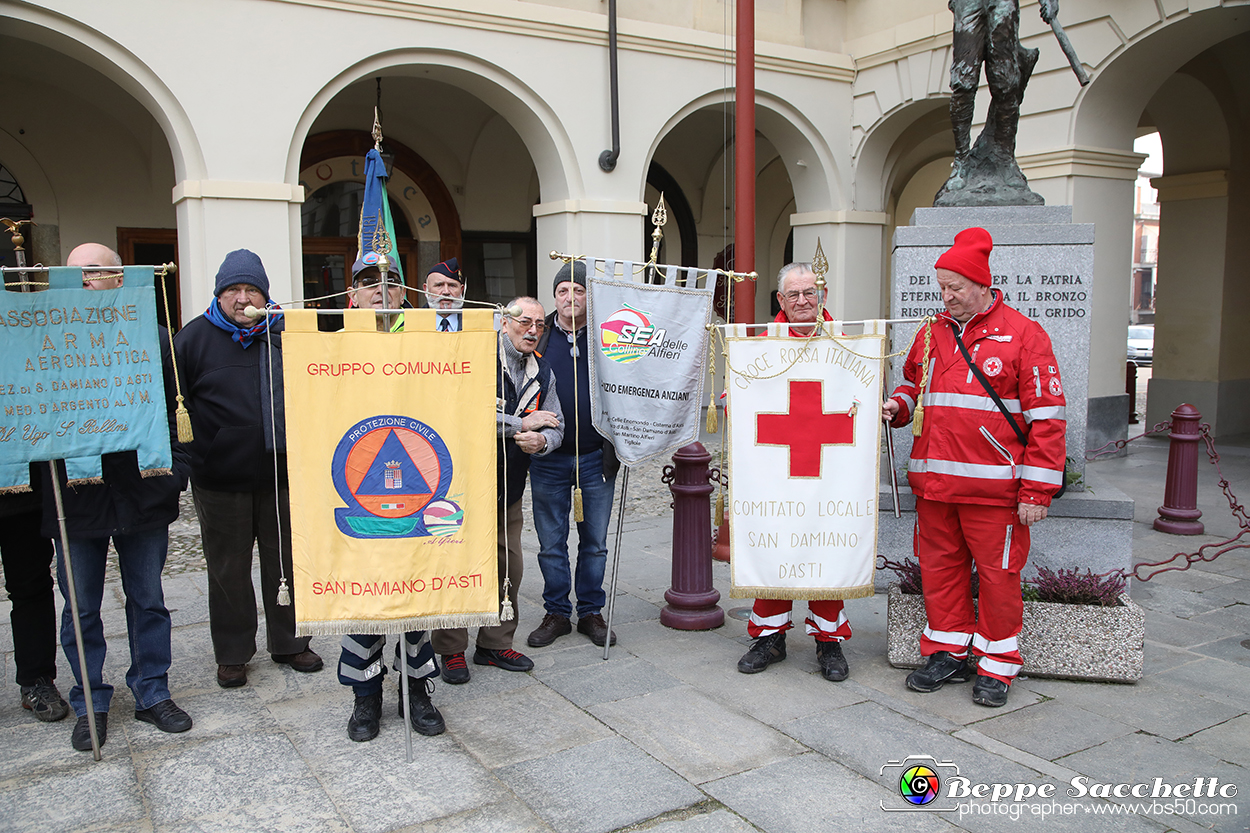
x,y
806,428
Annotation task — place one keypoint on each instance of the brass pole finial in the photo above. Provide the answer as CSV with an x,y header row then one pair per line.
x,y
15,231
377,130
820,266
659,218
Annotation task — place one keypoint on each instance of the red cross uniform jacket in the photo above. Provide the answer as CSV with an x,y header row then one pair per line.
x,y
966,452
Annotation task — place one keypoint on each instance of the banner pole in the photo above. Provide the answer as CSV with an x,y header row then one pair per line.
x,y
405,703
73,606
616,560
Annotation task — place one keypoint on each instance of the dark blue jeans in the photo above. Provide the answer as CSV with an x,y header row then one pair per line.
x,y
551,486
141,557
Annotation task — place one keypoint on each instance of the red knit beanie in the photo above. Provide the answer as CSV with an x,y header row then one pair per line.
x,y
970,256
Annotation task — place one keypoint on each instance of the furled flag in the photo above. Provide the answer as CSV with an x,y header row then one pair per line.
x,y
804,451
649,345
377,232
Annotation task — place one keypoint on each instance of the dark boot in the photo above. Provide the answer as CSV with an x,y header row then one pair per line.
x,y
363,724
941,669
833,665
989,691
765,651
423,714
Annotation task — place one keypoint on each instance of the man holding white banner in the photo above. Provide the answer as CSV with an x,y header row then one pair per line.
x,y
803,535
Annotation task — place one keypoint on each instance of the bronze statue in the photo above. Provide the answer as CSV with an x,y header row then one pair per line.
x,y
988,32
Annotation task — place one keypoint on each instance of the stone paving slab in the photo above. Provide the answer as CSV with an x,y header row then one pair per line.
x,y
866,736
621,677
811,793
1033,729
1182,633
1152,706
694,735
598,787
1226,741
86,794
490,727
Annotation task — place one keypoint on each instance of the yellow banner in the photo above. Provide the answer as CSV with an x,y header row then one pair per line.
x,y
391,453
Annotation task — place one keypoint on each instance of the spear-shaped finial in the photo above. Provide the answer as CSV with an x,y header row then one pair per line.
x,y
658,218
820,266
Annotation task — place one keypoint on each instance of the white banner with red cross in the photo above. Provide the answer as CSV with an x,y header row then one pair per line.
x,y
804,452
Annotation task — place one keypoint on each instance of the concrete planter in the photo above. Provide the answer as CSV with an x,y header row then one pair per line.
x,y
1073,642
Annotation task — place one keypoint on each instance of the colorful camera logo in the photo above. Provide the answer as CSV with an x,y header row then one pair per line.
x,y
919,785
918,780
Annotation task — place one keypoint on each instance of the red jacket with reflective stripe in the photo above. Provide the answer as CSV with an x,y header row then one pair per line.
x,y
967,453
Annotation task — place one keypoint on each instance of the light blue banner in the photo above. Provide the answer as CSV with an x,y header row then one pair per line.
x,y
81,376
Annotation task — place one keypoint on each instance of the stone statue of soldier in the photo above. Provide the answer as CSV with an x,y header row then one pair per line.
x,y
988,32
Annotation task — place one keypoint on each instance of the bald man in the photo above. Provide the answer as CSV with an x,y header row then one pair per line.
x,y
135,513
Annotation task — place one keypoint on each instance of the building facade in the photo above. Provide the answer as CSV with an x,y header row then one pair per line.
x,y
188,128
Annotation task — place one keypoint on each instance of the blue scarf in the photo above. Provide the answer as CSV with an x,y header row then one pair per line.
x,y
243,335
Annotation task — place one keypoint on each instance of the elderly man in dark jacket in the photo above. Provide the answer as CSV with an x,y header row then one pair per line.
x,y
231,367
135,513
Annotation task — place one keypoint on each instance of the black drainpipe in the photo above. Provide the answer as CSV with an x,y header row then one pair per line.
x,y
607,159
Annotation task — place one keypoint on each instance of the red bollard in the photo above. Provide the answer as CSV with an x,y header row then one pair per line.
x,y
692,598
1179,513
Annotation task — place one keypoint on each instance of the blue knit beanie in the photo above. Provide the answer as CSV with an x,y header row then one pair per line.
x,y
242,266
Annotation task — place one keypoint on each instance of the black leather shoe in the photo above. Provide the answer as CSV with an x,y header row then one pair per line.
x,y
593,626
424,715
552,628
304,662
764,652
165,716
81,738
455,669
941,669
366,714
231,676
833,665
989,691
506,658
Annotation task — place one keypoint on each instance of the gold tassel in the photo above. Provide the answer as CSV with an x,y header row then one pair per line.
x,y
506,613
184,423
719,517
917,421
711,416
284,595
578,515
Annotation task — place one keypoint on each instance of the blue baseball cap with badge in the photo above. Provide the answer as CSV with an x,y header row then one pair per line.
x,y
370,260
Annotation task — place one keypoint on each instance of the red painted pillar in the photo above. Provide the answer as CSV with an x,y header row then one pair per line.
x,y
1179,513
744,164
692,598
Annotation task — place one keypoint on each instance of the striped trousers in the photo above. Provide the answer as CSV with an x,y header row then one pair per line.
x,y
825,619
362,668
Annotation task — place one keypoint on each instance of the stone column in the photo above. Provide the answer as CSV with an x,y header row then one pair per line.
x,y
853,244
602,228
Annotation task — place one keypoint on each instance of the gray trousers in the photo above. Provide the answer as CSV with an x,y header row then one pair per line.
x,y
498,637
230,522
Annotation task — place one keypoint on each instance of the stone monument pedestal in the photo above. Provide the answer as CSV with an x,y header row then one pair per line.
x,y
1044,265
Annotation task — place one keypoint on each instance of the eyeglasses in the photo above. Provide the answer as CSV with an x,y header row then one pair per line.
x,y
528,323
809,294
370,282
96,276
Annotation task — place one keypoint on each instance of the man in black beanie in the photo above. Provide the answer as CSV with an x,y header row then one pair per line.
x,y
231,367
584,460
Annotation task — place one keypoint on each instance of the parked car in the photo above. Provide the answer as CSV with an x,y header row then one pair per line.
x,y
1141,344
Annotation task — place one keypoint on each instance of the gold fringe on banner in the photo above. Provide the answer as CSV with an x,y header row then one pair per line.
x,y
804,594
396,626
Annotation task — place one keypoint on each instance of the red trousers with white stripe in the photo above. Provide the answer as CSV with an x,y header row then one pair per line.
x,y
950,537
825,619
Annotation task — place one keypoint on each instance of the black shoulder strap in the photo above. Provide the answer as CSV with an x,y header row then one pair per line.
x,y
985,383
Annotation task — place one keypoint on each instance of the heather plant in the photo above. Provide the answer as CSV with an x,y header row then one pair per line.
x,y
1076,588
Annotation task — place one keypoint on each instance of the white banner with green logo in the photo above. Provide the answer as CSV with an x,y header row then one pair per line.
x,y
649,345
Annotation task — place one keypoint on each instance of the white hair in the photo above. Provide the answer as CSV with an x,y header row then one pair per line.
x,y
790,268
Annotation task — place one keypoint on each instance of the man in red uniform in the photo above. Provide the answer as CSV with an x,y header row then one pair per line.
x,y
770,618
978,487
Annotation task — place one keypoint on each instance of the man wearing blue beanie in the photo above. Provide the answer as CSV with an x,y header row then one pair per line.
x,y
238,467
